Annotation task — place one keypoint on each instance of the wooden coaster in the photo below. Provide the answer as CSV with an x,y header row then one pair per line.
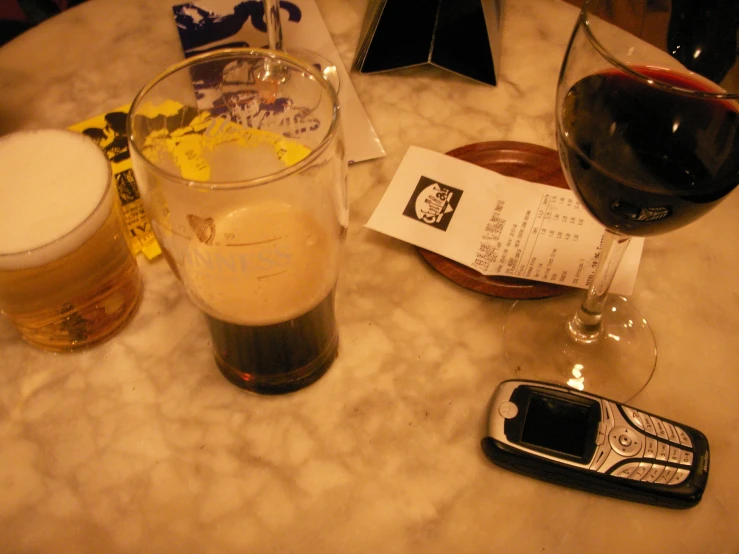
x,y
529,162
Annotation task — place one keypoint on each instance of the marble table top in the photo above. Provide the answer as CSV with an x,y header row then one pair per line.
x,y
140,445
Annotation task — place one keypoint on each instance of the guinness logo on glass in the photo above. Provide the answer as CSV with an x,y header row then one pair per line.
x,y
433,203
205,229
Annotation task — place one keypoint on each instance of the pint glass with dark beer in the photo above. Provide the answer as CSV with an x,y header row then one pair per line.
x,y
67,277
239,158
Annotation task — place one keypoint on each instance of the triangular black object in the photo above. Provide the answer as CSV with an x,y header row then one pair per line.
x,y
462,36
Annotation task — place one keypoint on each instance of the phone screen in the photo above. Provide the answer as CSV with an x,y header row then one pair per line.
x,y
558,425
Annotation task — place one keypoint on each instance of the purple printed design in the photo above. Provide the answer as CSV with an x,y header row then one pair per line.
x,y
198,27
248,109
233,89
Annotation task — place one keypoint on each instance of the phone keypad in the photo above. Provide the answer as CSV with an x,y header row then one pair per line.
x,y
666,475
654,472
663,451
659,428
650,449
672,433
625,441
600,456
641,472
667,455
674,456
684,438
680,475
633,416
626,470
648,425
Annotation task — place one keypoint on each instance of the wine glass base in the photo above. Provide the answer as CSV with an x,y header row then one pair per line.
x,y
617,366
271,72
322,64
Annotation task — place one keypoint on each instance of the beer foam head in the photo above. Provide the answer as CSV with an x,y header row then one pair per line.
x,y
55,190
266,264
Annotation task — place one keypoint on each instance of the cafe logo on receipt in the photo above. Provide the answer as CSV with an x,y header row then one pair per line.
x,y
433,203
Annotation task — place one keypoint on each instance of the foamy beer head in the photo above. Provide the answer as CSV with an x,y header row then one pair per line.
x,y
267,263
67,277
56,194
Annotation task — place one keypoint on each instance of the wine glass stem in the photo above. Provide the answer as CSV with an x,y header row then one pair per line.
x,y
273,71
274,27
585,326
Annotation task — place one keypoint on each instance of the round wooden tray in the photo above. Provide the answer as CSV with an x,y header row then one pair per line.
x,y
529,162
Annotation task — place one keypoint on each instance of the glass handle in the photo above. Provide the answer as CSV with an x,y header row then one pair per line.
x,y
585,326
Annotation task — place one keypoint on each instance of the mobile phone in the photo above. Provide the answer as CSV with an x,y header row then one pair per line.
x,y
591,443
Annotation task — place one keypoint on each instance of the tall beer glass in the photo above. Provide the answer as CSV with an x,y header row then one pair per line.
x,y
242,172
67,277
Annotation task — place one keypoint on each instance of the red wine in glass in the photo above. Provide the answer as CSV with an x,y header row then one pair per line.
x,y
645,161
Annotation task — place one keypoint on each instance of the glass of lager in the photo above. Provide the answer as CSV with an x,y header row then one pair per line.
x,y
239,157
67,277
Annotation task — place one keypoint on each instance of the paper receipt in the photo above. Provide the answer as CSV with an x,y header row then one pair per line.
x,y
495,224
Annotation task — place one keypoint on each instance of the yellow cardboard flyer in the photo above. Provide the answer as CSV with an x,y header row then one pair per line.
x,y
109,132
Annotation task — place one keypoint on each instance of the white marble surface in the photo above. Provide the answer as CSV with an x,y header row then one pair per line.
x,y
141,446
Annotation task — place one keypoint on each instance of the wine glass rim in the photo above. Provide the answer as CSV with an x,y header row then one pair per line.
x,y
647,80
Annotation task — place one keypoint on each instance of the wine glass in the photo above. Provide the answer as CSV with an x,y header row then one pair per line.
x,y
275,42
647,124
